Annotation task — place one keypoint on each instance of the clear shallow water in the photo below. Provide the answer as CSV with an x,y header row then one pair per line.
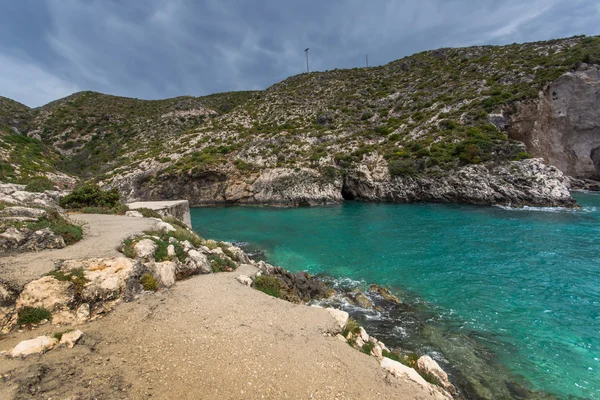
x,y
524,284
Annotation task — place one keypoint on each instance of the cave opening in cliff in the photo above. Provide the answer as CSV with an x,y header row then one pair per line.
x,y
346,192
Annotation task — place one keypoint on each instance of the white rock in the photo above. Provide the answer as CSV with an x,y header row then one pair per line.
x,y
69,339
145,249
107,276
38,345
341,317
171,251
187,245
135,214
165,273
429,365
363,335
46,292
400,370
244,280
377,352
64,317
341,338
172,240
195,263
359,342
83,312
165,227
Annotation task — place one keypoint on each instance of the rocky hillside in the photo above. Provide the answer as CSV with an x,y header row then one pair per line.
x,y
436,126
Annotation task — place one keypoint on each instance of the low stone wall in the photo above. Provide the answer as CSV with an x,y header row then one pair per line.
x,y
179,209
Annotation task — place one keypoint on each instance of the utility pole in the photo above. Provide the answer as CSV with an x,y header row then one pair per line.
x,y
367,58
307,70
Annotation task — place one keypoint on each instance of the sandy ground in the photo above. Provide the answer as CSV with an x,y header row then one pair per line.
x,y
102,235
207,338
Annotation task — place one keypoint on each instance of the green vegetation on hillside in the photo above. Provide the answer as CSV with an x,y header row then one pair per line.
x,y
427,113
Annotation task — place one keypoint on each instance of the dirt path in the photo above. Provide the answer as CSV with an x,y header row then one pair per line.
x,y
207,338
102,234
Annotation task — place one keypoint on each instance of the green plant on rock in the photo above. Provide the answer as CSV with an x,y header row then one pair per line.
x,y
70,232
220,264
352,327
269,285
31,315
39,184
367,347
149,282
76,276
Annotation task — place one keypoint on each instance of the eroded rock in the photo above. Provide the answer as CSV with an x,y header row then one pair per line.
x,y
47,292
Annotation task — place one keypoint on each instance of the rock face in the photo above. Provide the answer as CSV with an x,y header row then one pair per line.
x,y
515,183
46,292
24,239
563,125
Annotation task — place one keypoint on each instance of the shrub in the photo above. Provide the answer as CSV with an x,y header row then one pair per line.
x,y
127,248
219,264
161,254
351,327
91,195
30,315
183,234
367,348
402,167
523,155
392,355
149,282
39,184
56,223
269,285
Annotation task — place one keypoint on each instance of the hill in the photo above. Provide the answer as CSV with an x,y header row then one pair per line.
x,y
436,126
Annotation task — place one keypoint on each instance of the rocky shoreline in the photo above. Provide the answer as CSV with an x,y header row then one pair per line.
x,y
79,291
528,182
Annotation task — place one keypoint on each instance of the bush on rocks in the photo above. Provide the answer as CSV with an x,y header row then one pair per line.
x,y
90,195
149,282
71,233
39,184
269,285
31,315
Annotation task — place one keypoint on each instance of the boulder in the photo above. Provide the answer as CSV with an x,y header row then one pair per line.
x,y
164,227
135,214
164,272
47,292
363,335
244,280
240,254
39,345
377,352
145,249
23,212
341,317
196,263
171,251
385,294
70,339
109,278
83,312
430,366
400,370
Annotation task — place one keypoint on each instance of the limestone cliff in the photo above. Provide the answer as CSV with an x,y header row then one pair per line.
x,y
563,124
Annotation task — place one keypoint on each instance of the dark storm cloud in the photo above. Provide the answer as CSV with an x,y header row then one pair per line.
x,y
158,48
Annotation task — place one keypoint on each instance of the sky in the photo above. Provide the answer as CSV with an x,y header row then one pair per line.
x,y
154,49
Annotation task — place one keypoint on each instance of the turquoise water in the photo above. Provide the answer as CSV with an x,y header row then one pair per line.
x,y
522,284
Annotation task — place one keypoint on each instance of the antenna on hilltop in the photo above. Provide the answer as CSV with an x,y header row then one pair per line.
x,y
367,58
306,59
